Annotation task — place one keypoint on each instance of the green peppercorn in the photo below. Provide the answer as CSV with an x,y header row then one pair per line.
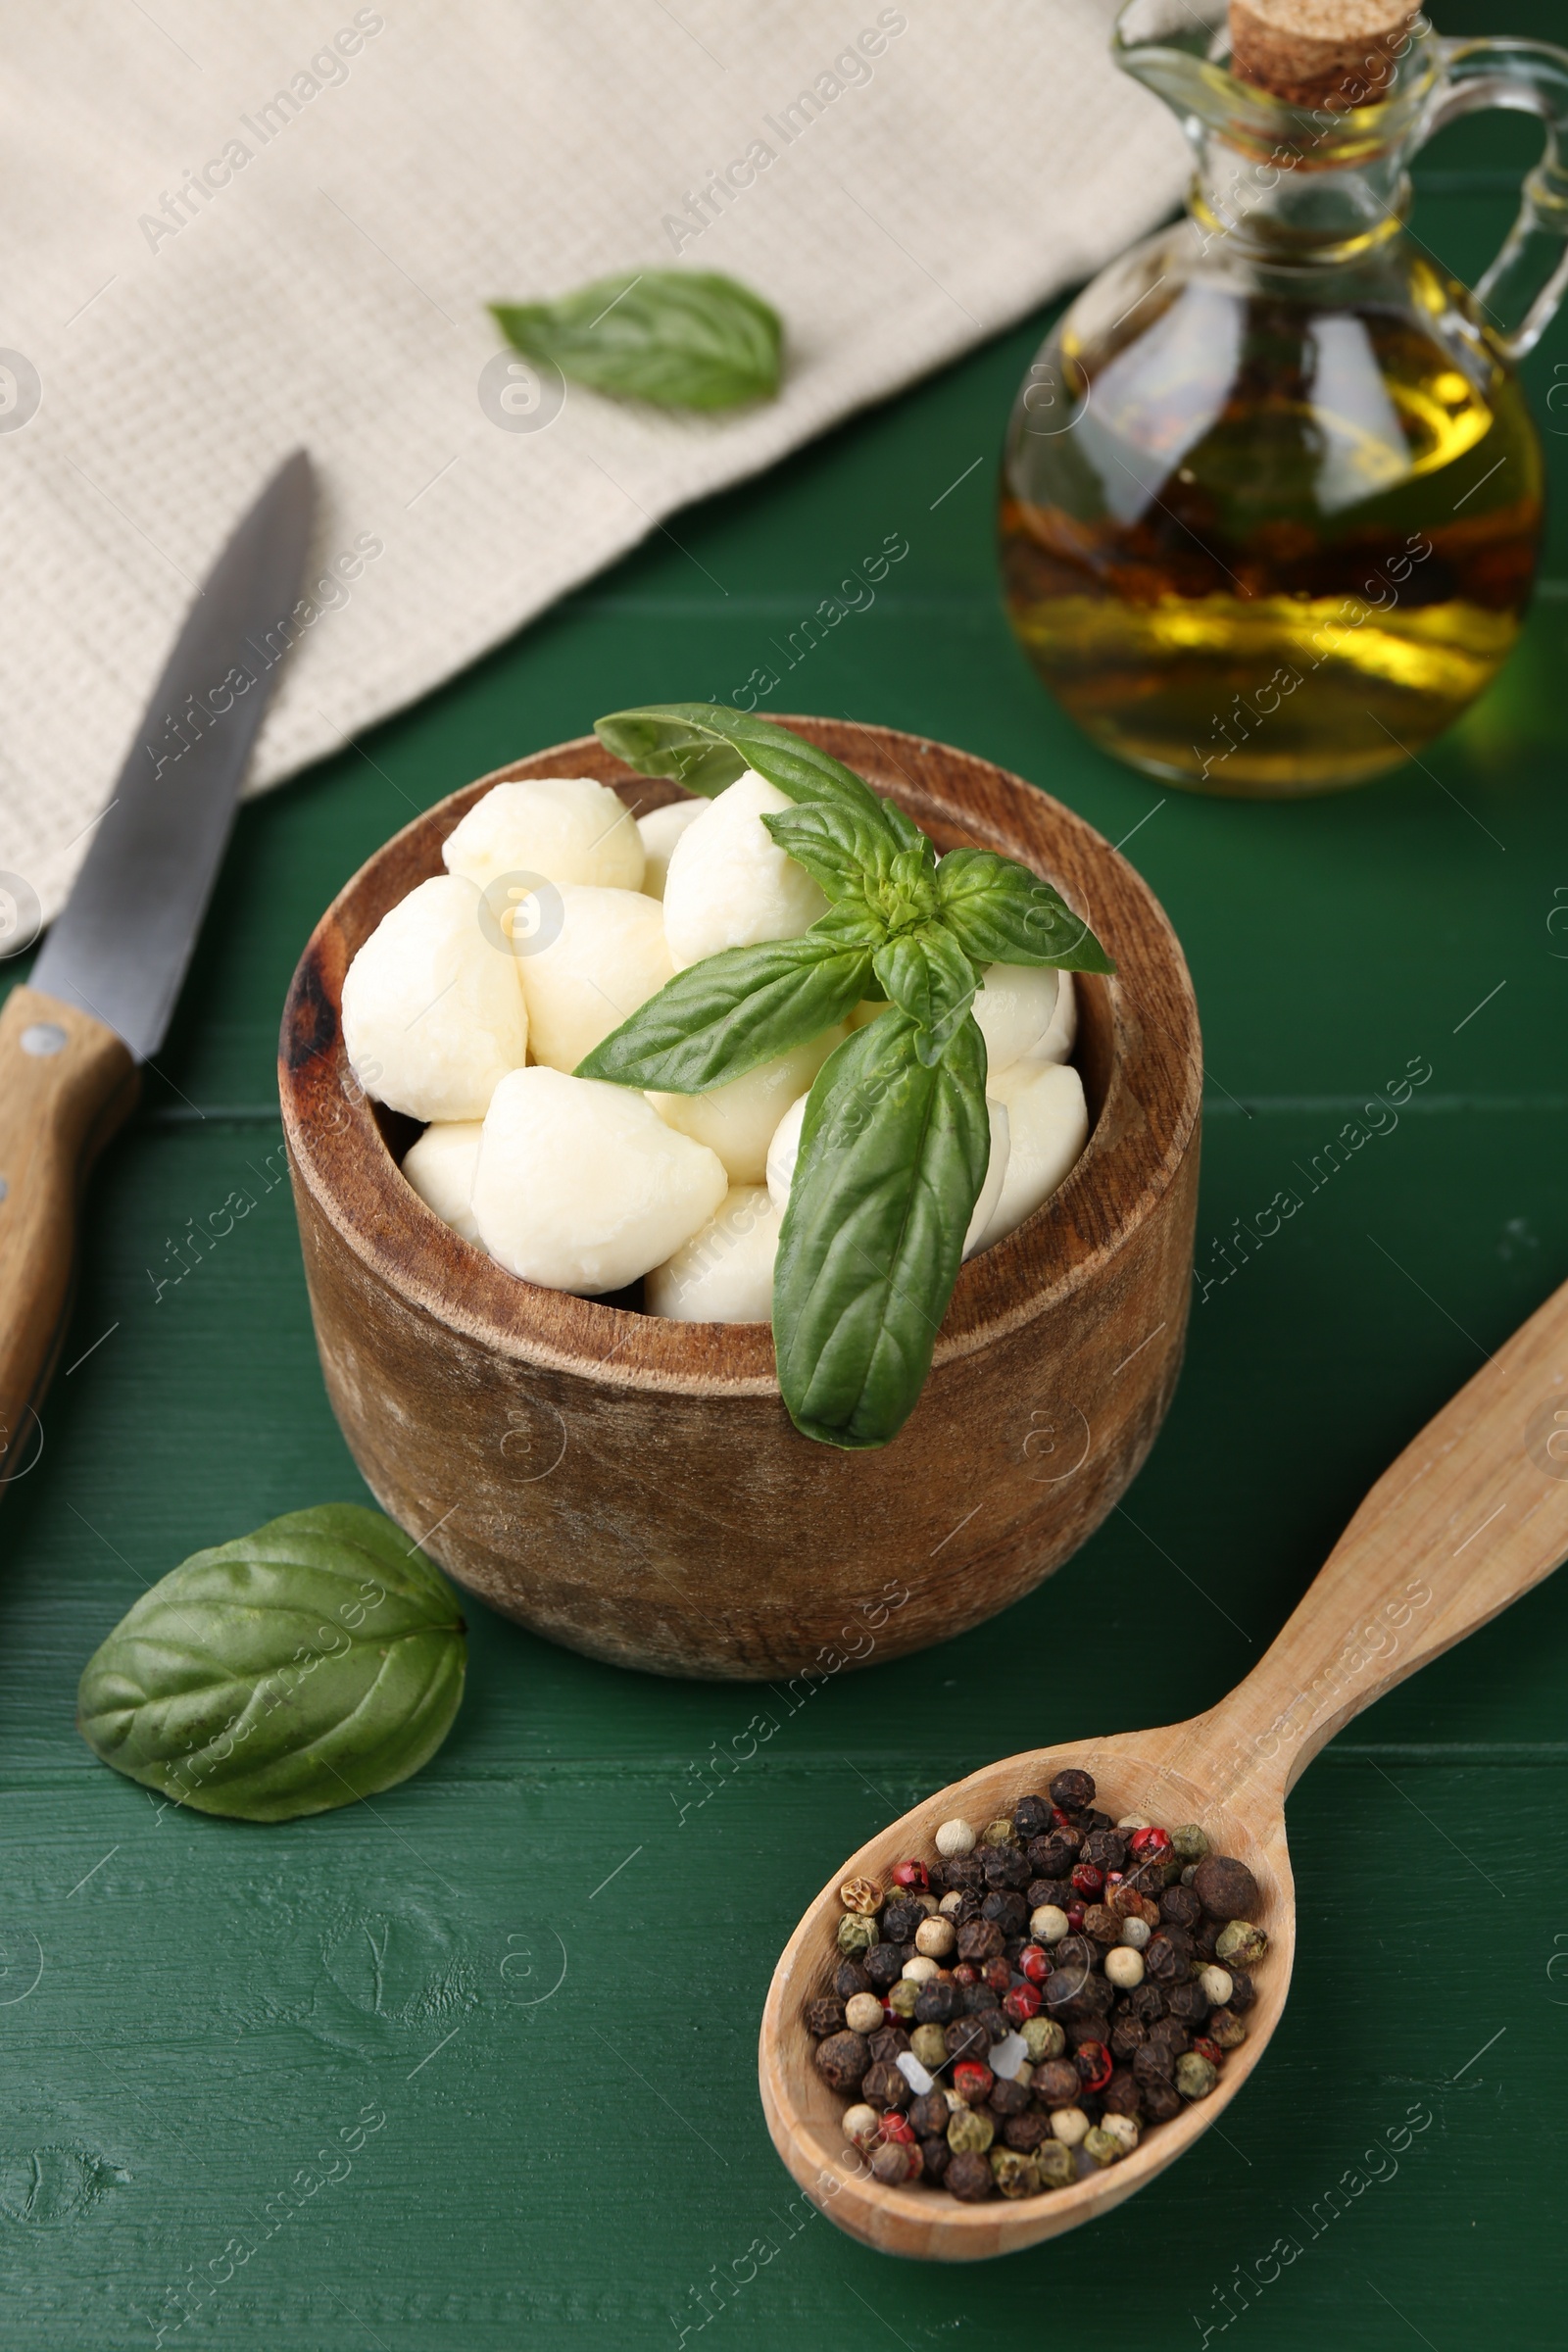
x,y
1102,2145
903,1996
857,1933
970,2131
1189,1844
1015,2174
1239,1941
1042,2038
999,1832
929,2043
1054,2165
1195,2074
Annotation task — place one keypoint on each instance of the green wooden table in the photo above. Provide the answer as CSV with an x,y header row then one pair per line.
x,y
524,1990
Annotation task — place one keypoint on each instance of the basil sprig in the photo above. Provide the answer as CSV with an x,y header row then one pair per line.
x,y
684,339
896,1134
319,1661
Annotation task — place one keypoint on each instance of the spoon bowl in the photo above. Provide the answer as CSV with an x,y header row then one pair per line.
x,y
1473,1512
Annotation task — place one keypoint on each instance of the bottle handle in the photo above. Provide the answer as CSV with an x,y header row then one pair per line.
x,y
1521,290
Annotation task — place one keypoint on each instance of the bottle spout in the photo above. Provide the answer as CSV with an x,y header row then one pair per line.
x,y
1177,49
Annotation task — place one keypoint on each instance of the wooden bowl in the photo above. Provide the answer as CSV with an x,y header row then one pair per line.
x,y
633,1487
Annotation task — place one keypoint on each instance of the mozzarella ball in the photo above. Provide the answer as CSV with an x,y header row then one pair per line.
x,y
432,1015
568,828
784,1150
729,884
724,1274
608,957
440,1167
985,1209
1061,1035
582,1186
738,1121
661,829
1050,1127
1013,1007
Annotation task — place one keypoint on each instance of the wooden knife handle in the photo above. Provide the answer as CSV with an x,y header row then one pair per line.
x,y
66,1083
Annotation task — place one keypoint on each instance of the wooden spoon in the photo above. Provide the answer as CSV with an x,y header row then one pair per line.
x,y
1472,1514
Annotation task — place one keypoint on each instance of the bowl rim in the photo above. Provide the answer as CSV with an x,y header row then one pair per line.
x,y
341,1159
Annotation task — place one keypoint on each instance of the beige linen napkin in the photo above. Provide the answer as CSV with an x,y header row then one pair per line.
x,y
229,229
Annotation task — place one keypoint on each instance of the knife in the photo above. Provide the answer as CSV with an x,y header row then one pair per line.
x,y
73,1037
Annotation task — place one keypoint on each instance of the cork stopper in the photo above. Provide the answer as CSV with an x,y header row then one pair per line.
x,y
1334,54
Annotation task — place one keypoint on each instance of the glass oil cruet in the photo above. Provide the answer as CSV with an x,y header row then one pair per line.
x,y
1271,495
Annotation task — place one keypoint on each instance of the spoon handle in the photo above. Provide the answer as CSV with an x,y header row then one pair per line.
x,y
1473,1513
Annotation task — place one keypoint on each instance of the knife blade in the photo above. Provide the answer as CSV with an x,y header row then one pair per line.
x,y
100,996
120,946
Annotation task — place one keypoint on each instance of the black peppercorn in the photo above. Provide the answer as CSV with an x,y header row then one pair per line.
x,y
1076,1951
1156,2062
1072,1790
1006,1866
1161,2101
977,1998
969,2178
963,1871
900,1921
1121,2095
997,2023
842,2061
1168,1956
886,2043
883,2086
1089,1821
1189,2002
825,2016
883,1965
849,1980
1026,2132
938,2156
1225,2029
1172,2032
929,2114
1031,1816
1008,2098
1048,1890
1127,2037
1053,1855
966,2037
967,1906
979,1940
1205,1941
1056,2083
1010,1911
1106,1849
1143,1878
1226,1887
1180,1907
1101,1924
937,2002
1147,2002
1063,1988
1243,1992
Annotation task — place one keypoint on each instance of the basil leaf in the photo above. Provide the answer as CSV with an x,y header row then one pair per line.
x,y
893,1155
929,977
848,854
707,745
1000,913
719,1019
319,1661
685,338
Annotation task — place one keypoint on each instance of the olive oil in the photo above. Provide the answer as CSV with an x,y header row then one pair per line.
x,y
1264,544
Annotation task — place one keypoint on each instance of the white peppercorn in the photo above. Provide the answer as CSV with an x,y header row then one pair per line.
x,y
1069,2124
1214,1984
955,1837
1135,1934
1124,1967
1048,1924
936,1938
920,1970
864,2013
862,2126
951,1904
1135,1820
1123,2128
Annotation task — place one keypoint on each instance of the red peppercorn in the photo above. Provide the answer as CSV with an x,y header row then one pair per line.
x,y
1061,1820
894,2126
972,2081
1094,2064
1033,1962
1075,1918
1024,2001
914,1873
967,1973
1208,2049
997,1973
1087,1879
1149,1846
1113,1879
